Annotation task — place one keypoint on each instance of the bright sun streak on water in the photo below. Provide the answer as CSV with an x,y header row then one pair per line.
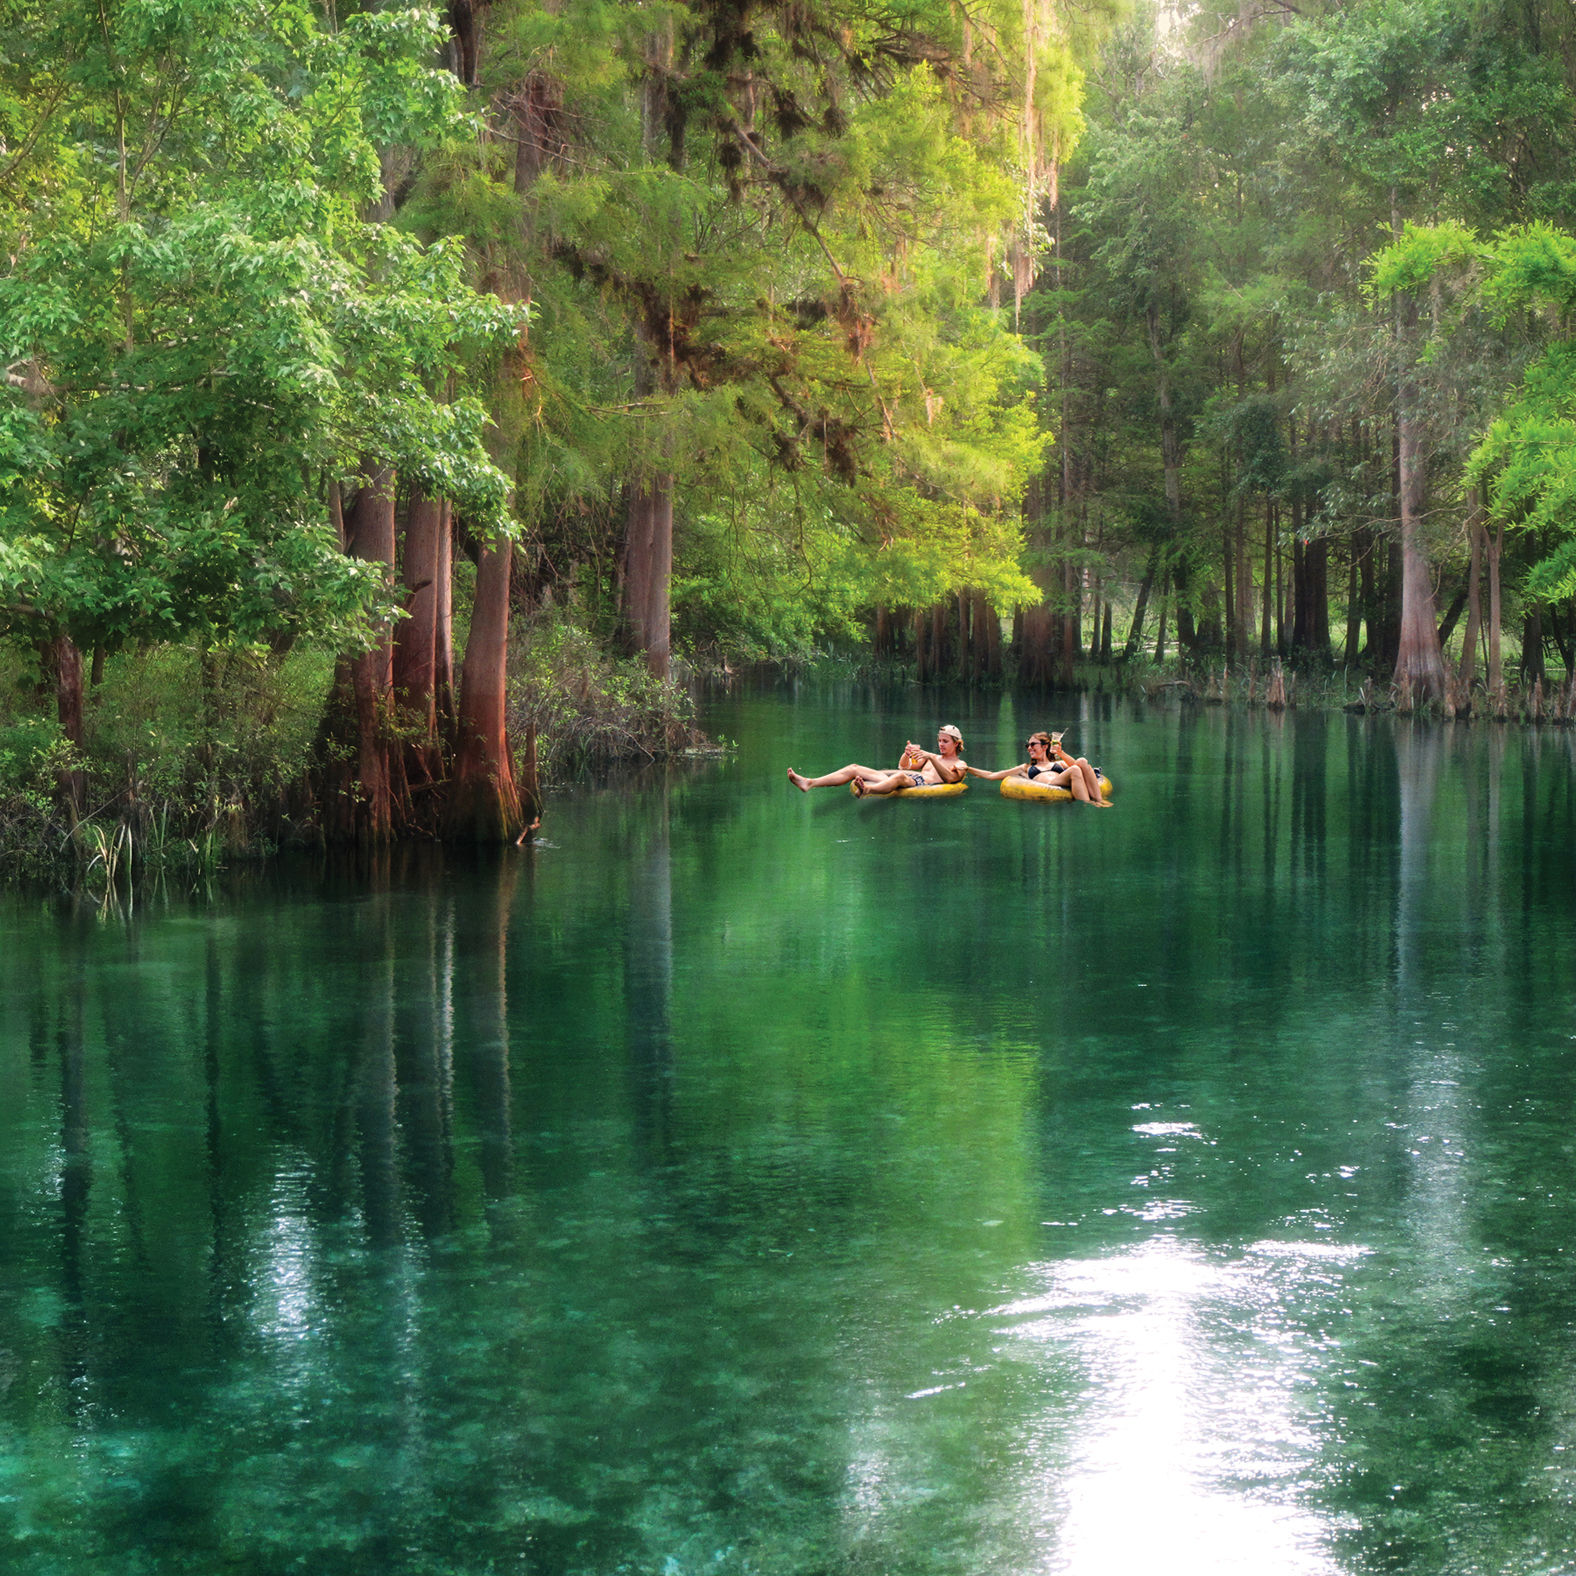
x,y
1185,1460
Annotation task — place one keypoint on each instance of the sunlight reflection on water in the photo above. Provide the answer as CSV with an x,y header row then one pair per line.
x,y
1195,1436
286,1295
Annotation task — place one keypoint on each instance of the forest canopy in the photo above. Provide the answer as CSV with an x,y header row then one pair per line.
x,y
979,342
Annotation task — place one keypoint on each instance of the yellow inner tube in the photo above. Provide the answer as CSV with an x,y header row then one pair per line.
x,y
1022,788
929,791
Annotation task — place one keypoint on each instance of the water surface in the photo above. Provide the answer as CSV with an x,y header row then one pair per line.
x,y
749,1182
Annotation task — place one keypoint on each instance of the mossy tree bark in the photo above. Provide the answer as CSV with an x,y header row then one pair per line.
x,y
415,676
359,797
484,801
62,663
1419,663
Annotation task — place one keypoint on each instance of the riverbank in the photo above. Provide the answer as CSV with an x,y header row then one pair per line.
x,y
193,760
1267,683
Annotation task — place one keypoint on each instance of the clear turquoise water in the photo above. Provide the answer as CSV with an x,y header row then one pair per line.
x,y
745,1182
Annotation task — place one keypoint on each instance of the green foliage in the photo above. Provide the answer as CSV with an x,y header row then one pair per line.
x,y
758,262
193,758
1254,430
1420,254
1273,223
194,731
762,582
589,709
1525,462
32,753
201,330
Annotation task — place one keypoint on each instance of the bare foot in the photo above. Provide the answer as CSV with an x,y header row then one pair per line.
x,y
801,783
859,787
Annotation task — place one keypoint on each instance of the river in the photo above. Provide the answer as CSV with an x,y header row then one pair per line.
x,y
742,1181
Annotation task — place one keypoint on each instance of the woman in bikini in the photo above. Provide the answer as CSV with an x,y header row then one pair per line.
x,y
1078,777
917,769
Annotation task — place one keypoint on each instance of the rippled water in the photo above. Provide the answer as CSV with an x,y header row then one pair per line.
x,y
743,1181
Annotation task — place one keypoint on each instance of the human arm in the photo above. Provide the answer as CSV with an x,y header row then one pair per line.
x,y
949,771
995,777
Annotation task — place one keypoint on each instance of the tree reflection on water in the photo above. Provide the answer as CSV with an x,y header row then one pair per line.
x,y
757,1184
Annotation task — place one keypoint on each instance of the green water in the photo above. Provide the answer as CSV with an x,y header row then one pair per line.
x,y
745,1182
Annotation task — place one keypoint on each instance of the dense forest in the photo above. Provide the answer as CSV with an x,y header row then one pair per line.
x,y
393,397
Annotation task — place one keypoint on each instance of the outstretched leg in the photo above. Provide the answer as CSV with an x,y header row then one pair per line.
x,y
844,774
888,782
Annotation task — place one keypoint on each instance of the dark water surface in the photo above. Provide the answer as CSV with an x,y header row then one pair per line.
x,y
750,1183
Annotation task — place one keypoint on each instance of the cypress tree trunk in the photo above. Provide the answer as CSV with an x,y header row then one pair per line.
x,y
358,785
1244,632
1267,608
1135,633
1035,663
1532,670
416,641
1069,645
443,625
465,25
1354,605
992,640
484,803
648,570
981,623
1282,646
1228,564
1494,541
1447,625
1170,460
1187,634
372,539
1367,596
1299,588
648,551
62,663
1467,669
1387,633
1419,663
1316,566
940,647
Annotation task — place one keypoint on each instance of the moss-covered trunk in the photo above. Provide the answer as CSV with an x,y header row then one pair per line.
x,y
484,802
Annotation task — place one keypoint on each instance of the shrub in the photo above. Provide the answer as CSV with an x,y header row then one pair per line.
x,y
590,709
